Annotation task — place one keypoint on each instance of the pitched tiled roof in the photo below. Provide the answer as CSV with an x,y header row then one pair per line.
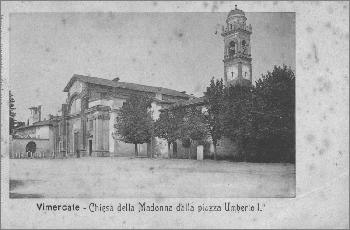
x,y
124,85
39,123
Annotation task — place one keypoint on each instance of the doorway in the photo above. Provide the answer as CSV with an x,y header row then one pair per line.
x,y
90,148
30,148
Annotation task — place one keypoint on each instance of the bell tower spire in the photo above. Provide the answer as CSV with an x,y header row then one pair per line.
x,y
237,53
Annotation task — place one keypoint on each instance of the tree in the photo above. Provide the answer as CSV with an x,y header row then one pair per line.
x,y
168,126
12,114
237,118
194,127
260,120
134,123
196,124
214,115
274,112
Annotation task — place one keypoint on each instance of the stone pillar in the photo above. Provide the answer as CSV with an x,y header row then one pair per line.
x,y
110,134
96,134
67,138
100,134
200,152
160,147
83,129
63,134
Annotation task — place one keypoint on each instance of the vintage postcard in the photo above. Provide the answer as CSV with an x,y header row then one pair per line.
x,y
175,114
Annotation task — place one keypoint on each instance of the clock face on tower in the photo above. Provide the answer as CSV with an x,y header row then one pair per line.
x,y
231,72
245,72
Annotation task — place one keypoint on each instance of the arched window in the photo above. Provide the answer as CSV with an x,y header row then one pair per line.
x,y
232,48
75,106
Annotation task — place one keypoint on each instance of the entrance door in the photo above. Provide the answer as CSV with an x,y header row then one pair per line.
x,y
90,148
76,144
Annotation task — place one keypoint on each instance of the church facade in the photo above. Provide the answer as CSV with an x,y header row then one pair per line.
x,y
88,117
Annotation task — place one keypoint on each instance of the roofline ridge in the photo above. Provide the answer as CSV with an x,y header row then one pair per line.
x,y
159,88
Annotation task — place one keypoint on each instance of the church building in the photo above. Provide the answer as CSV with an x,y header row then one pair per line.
x,y
86,124
88,117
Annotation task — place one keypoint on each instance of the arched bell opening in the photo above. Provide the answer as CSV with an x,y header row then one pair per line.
x,y
232,48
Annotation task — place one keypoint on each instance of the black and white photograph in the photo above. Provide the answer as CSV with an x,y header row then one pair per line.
x,y
152,104
167,101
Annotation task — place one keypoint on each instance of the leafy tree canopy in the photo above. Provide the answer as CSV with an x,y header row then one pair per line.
x,y
168,126
214,110
134,122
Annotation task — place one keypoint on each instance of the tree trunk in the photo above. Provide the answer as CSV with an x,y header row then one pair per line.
x,y
136,151
174,149
169,154
214,151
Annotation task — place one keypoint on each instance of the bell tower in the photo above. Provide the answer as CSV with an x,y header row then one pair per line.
x,y
237,53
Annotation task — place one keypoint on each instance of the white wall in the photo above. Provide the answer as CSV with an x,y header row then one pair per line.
x,y
42,132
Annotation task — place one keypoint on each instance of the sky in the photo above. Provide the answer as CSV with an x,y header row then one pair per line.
x,y
181,51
